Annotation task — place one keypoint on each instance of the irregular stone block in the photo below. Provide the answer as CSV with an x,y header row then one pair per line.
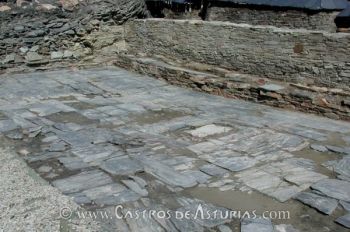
x,y
82,181
337,189
208,130
121,166
234,164
167,174
102,191
135,187
258,224
323,204
213,170
344,220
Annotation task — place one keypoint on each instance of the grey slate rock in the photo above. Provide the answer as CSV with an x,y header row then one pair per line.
x,y
118,198
323,204
342,167
340,150
82,181
257,224
121,166
58,146
271,87
346,205
33,56
134,186
235,164
334,188
344,220
167,174
7,125
213,170
318,147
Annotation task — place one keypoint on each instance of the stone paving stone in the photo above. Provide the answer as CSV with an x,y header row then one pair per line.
x,y
257,224
285,228
213,170
207,130
73,163
122,165
7,125
58,146
323,204
48,107
82,181
337,189
67,126
304,178
223,228
118,198
269,184
143,223
340,150
200,177
105,190
344,220
257,142
134,186
345,205
167,174
342,167
234,164
91,153
318,147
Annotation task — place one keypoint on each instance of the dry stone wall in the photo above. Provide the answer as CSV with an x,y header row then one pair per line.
x,y
275,17
291,55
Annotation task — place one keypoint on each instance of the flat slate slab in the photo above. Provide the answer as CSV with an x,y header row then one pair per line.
x,y
234,164
323,204
258,224
167,174
208,130
83,181
344,220
337,189
122,165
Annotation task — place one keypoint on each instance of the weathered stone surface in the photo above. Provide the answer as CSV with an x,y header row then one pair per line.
x,y
305,178
118,198
285,228
346,205
344,220
103,191
337,189
7,125
318,147
167,174
208,130
234,164
342,167
213,170
82,181
121,166
134,186
258,224
324,204
56,55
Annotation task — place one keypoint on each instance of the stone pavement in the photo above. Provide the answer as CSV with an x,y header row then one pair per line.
x,y
108,137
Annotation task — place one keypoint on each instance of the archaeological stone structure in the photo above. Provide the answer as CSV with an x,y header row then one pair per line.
x,y
175,106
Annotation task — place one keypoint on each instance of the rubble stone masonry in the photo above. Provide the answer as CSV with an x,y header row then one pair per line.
x,y
292,55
